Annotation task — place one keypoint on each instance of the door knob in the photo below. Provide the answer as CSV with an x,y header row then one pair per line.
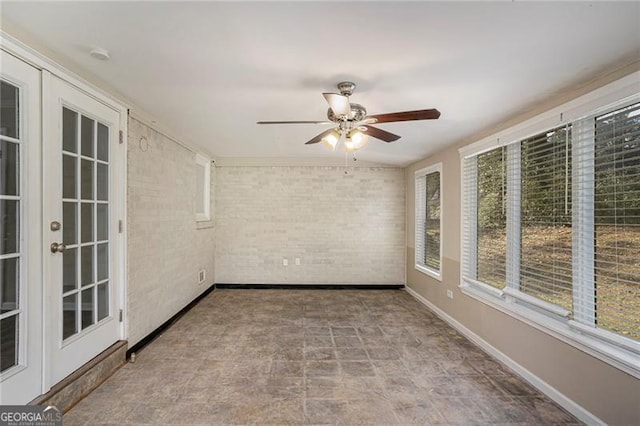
x,y
58,247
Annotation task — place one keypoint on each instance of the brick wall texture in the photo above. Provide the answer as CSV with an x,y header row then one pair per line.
x,y
165,248
344,228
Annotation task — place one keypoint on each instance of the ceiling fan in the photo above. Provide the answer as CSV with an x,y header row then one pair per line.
x,y
352,125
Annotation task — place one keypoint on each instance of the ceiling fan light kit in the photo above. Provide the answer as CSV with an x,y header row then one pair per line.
x,y
353,125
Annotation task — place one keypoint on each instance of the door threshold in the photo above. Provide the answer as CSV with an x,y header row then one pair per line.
x,y
73,388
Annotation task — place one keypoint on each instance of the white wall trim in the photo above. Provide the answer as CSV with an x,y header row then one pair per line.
x,y
295,161
574,408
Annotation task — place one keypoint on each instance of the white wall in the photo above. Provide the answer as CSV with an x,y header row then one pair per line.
x,y
165,248
346,229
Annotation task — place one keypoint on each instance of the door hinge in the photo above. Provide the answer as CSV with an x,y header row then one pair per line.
x,y
121,315
120,226
121,137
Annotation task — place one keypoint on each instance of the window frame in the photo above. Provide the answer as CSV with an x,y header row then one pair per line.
x,y
607,346
205,163
422,174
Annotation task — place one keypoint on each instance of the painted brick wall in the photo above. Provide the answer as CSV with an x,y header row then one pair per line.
x,y
346,229
165,248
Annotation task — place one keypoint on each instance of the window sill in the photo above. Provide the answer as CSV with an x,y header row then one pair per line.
x,y
430,272
204,224
563,329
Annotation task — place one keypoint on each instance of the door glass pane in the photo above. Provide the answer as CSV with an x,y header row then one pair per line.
x,y
103,300
9,112
86,181
69,223
69,270
87,307
9,168
9,346
87,136
69,324
103,182
86,217
9,286
103,261
10,225
68,176
69,130
103,142
86,265
102,222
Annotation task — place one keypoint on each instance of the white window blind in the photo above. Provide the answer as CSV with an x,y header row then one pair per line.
x,y
427,221
545,255
491,238
432,222
616,286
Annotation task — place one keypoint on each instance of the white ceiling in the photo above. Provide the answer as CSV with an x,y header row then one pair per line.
x,y
209,70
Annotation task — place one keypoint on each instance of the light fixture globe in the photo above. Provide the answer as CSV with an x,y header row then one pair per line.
x,y
355,140
331,140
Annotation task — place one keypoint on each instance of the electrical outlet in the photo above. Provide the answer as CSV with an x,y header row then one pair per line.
x,y
450,294
202,274
298,261
285,262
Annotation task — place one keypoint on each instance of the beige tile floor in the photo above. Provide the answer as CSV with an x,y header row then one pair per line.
x,y
313,357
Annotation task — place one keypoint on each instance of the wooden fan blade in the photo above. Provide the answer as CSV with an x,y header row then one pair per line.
x,y
319,137
294,122
421,114
339,104
383,135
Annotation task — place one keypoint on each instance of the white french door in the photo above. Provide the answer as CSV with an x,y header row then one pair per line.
x,y
20,243
80,211
61,253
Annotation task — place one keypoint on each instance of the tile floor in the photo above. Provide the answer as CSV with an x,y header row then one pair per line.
x,y
313,357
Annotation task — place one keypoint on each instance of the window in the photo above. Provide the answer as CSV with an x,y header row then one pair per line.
x,y
615,302
551,231
203,188
428,211
545,216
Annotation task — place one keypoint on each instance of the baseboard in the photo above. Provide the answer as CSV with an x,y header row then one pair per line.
x,y
312,286
155,333
568,404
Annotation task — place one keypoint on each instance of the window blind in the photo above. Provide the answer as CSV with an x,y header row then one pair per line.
x,y
420,229
427,221
491,214
545,255
432,221
616,206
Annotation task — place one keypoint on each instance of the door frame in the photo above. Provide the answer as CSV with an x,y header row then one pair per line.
x,y
49,68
